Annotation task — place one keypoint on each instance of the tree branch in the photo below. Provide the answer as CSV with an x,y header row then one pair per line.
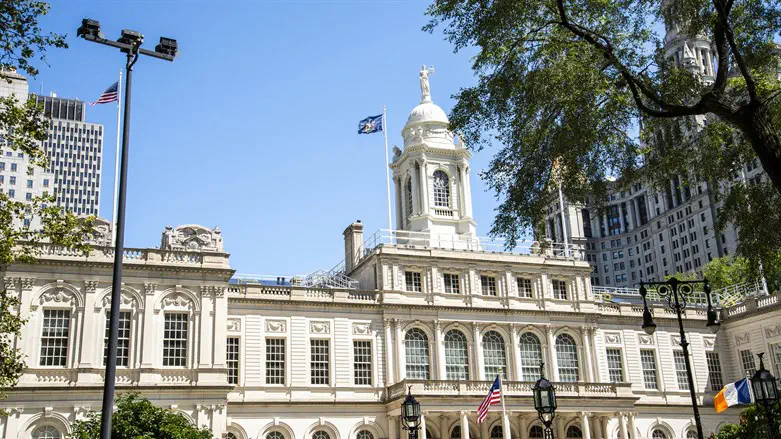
x,y
751,86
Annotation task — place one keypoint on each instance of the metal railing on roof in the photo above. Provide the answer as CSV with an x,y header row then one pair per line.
x,y
722,298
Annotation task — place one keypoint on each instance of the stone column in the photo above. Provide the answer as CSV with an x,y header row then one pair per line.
x,y
415,190
424,187
220,325
464,425
523,425
479,370
632,429
622,425
515,352
484,433
400,364
399,204
468,190
552,360
461,192
205,337
584,425
595,355
392,433
440,351
422,434
389,372
585,333
444,424
560,426
148,339
596,425
604,422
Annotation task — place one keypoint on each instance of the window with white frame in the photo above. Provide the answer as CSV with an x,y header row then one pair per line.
x,y
494,355
691,434
749,366
648,364
175,339
320,434
232,360
574,432
488,285
408,197
362,362
715,378
559,289
451,282
524,287
412,281
680,369
275,361
456,356
54,337
441,189
567,356
536,432
365,434
615,365
45,432
775,351
531,356
320,360
123,338
417,356
275,435
658,434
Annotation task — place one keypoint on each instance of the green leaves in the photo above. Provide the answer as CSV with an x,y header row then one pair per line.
x,y
21,38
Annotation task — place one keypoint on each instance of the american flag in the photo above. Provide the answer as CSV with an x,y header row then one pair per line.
x,y
494,397
110,95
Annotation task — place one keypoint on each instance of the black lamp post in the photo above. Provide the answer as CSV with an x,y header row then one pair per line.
x,y
763,383
545,401
678,294
129,43
410,414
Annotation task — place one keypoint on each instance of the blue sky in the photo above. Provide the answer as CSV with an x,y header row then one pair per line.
x,y
253,127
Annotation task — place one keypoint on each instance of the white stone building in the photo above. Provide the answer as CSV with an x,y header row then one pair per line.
x,y
429,307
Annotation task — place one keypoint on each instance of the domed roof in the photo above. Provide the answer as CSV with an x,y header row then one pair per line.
x,y
427,112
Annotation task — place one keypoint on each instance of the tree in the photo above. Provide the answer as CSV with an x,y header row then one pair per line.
x,y
137,418
752,424
572,82
22,128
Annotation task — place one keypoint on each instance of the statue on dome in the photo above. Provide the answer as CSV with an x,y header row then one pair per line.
x,y
425,89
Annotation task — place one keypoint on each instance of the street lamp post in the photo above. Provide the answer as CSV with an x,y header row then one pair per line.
x,y
678,294
410,414
763,383
129,43
545,401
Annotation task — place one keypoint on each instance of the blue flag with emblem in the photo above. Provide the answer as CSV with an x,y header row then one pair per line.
x,y
371,124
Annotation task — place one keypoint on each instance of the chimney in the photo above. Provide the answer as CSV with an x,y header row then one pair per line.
x,y
353,245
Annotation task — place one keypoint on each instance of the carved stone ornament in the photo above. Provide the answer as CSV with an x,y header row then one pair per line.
x,y
192,237
773,332
278,326
362,329
125,301
320,327
675,340
234,325
645,339
57,296
90,286
101,233
709,342
613,337
742,339
27,283
149,288
178,301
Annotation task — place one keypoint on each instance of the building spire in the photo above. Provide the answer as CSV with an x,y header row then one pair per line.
x,y
425,89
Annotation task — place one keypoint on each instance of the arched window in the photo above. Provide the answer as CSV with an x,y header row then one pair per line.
x,y
567,356
441,189
275,435
456,356
574,432
320,434
536,432
658,434
494,355
455,433
233,436
408,197
531,357
691,434
496,432
416,344
429,434
364,434
45,432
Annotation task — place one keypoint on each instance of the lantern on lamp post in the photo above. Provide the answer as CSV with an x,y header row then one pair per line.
x,y
410,414
545,401
763,383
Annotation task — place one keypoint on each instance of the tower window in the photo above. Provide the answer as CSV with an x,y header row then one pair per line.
x,y
408,197
441,189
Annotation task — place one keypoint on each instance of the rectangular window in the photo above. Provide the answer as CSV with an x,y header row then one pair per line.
x,y
715,379
29,184
362,362
488,285
319,361
680,370
524,287
54,337
648,363
175,340
275,361
13,167
747,358
412,280
451,283
775,351
123,338
232,360
559,289
615,369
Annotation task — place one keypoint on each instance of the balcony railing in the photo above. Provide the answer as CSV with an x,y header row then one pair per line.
x,y
134,255
511,388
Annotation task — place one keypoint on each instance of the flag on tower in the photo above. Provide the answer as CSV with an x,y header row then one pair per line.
x,y
371,124
110,95
494,397
732,394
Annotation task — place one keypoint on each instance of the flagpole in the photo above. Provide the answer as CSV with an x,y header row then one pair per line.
x,y
387,171
505,420
116,167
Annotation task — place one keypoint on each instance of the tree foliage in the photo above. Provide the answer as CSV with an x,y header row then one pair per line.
x,y
586,83
22,129
751,425
137,418
731,270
